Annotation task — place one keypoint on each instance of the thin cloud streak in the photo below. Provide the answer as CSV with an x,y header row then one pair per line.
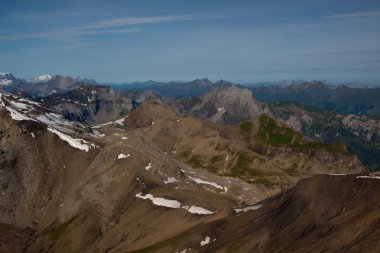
x,y
107,26
117,22
64,34
355,15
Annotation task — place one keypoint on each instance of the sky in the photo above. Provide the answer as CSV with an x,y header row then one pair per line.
x,y
240,41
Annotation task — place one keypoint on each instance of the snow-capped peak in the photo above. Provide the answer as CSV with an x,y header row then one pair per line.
x,y
6,78
41,78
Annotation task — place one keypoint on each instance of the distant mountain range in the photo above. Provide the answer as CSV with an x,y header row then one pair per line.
x,y
194,88
348,98
344,99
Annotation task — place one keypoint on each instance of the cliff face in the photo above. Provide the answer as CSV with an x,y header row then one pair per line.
x,y
226,105
93,104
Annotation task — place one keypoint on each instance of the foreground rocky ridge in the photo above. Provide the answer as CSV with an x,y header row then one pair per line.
x,y
320,214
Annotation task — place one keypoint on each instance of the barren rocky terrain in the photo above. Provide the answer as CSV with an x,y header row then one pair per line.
x,y
156,181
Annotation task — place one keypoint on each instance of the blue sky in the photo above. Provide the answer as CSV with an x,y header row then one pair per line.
x,y
241,41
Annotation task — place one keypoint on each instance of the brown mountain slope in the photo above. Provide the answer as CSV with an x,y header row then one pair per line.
x,y
108,192
261,151
66,187
320,214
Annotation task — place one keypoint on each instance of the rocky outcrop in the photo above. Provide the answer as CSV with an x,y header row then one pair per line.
x,y
226,105
93,104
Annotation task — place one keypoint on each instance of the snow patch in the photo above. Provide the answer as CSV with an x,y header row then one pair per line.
x,y
76,143
121,156
205,241
197,210
55,120
5,81
160,201
97,134
42,78
16,115
370,176
173,204
170,180
248,208
149,166
200,181
30,102
119,121
19,106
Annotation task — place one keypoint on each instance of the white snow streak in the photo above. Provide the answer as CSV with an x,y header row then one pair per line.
x,y
200,181
170,180
197,210
173,204
370,176
76,143
248,208
16,115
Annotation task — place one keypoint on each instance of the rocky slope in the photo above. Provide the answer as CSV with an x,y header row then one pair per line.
x,y
320,214
225,105
233,105
260,151
93,104
360,133
66,187
39,87
129,184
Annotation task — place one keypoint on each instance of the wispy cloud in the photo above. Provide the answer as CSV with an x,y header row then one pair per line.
x,y
108,26
117,22
66,33
355,15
